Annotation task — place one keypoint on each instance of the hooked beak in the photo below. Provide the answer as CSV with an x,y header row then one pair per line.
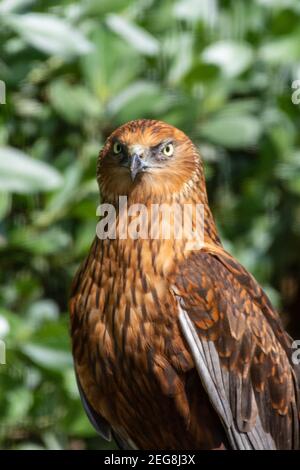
x,y
137,165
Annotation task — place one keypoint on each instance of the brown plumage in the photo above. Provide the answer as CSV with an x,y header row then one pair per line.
x,y
176,348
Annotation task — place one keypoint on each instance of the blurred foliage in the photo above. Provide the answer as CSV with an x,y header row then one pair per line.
x,y
220,70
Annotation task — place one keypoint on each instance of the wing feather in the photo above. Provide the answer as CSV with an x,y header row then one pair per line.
x,y
99,423
240,351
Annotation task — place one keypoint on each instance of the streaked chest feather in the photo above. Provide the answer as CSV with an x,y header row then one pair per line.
x,y
127,323
125,305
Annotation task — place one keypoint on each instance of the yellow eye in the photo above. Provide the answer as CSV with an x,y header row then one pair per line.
x,y
117,148
168,150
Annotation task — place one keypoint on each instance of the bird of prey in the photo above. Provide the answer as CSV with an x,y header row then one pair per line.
x,y
176,348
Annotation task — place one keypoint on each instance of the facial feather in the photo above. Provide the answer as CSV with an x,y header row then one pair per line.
x,y
168,178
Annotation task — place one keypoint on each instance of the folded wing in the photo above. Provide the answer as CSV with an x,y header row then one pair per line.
x,y
240,350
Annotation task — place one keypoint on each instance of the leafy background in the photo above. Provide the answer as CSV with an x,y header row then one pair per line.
x,y
220,70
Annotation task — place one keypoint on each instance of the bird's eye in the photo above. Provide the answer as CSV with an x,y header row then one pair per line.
x,y
117,148
168,150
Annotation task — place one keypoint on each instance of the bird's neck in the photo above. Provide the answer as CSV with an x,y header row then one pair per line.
x,y
167,229
149,204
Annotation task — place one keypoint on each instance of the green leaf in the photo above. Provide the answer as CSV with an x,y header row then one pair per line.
x,y
233,58
61,200
46,357
183,58
194,10
142,99
232,131
280,4
11,324
21,174
73,101
294,185
51,441
50,34
47,242
9,6
201,73
5,203
96,8
43,310
137,37
284,50
19,402
4,327
99,67
29,446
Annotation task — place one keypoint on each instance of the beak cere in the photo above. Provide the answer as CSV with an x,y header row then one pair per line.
x,y
137,165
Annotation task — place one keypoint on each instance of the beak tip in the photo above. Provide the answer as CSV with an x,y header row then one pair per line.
x,y
133,175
